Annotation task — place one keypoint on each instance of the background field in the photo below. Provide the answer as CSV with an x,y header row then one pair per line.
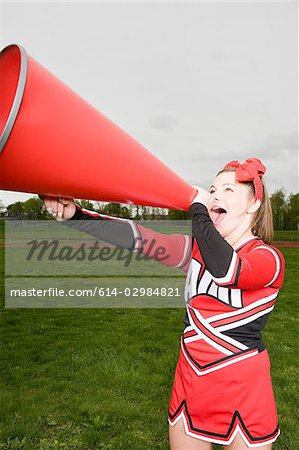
x,y
101,379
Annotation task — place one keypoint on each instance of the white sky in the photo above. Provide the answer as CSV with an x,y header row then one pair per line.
x,y
198,84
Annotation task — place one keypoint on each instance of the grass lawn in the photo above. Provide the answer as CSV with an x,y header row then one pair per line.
x,y
101,378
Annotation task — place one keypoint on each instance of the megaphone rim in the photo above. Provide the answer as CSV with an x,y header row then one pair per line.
x,y
18,95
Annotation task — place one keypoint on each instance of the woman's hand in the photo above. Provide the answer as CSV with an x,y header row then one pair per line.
x,y
60,208
202,196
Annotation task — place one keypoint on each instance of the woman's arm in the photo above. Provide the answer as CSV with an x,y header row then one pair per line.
x,y
258,268
172,250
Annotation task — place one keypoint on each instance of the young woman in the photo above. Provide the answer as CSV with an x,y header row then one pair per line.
x,y
222,391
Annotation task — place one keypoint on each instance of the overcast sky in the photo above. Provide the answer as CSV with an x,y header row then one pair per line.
x,y
198,84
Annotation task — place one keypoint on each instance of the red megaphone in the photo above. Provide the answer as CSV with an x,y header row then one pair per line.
x,y
55,143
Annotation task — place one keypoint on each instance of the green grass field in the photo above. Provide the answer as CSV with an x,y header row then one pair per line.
x,y
101,378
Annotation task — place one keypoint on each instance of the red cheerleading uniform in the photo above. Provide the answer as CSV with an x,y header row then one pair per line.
x,y
222,380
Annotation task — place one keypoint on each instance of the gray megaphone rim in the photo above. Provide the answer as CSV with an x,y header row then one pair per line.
x,y
18,95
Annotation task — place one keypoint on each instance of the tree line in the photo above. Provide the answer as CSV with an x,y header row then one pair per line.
x,y
285,210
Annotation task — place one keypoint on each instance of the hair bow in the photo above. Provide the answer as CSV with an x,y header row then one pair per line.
x,y
251,170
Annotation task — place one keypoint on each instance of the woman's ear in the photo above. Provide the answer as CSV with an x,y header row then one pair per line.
x,y
254,206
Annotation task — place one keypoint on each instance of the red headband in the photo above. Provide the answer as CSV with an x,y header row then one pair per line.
x,y
251,170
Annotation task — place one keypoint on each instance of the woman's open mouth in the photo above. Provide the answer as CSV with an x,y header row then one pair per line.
x,y
217,214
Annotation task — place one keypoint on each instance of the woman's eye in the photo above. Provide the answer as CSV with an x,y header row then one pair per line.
x,y
229,189
211,191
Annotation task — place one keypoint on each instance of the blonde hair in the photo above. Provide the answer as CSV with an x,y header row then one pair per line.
x,y
262,222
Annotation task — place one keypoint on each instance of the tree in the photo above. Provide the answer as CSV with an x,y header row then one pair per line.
x,y
33,209
137,215
2,209
154,214
145,213
292,212
86,204
278,203
161,214
16,210
116,210
176,214
99,206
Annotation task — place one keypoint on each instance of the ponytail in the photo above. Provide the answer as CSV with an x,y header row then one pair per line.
x,y
262,225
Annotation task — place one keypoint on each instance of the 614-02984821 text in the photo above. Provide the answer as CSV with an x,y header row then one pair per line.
x,y
97,291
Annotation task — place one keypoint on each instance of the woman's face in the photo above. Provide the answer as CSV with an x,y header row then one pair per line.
x,y
230,203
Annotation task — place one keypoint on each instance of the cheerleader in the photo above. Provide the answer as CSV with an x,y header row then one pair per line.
x,y
222,391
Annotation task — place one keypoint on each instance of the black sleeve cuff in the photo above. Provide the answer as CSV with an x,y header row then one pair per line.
x,y
78,214
198,208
